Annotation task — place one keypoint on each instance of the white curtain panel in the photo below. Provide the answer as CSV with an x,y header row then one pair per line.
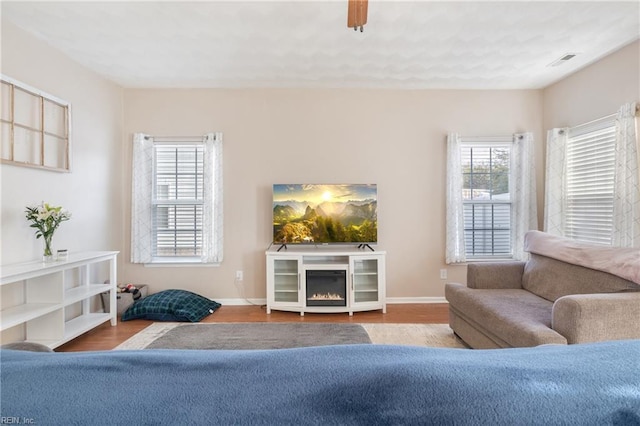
x,y
141,221
554,181
524,211
212,243
626,207
455,250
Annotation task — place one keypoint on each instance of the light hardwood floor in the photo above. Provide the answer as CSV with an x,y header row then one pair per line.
x,y
106,337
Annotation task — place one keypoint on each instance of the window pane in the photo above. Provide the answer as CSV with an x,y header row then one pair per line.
x,y
26,109
590,185
55,121
179,172
487,208
26,146
55,152
5,102
487,229
5,135
485,172
178,203
178,230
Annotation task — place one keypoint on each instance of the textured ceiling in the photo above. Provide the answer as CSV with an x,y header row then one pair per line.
x,y
405,44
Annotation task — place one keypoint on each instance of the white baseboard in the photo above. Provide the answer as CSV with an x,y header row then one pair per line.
x,y
390,301
241,302
399,300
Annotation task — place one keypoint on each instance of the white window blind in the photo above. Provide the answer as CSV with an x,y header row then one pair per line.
x,y
486,198
178,202
590,182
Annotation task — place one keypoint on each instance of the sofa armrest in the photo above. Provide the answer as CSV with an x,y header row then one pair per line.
x,y
495,275
583,318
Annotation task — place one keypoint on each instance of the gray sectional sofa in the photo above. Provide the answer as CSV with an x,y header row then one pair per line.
x,y
549,300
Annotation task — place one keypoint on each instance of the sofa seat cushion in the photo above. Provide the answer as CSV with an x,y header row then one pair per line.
x,y
514,316
552,279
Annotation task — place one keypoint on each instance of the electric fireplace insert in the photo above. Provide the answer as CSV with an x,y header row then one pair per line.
x,y
326,287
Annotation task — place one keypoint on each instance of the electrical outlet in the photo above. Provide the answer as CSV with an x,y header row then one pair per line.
x,y
239,275
443,274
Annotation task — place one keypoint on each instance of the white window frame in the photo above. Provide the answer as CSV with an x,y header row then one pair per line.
x,y
490,142
522,196
162,202
144,201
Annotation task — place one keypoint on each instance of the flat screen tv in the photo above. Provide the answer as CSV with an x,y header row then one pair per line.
x,y
325,214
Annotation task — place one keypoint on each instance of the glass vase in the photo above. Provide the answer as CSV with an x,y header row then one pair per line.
x,y
47,255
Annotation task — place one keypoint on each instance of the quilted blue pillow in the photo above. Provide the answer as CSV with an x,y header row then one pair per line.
x,y
171,305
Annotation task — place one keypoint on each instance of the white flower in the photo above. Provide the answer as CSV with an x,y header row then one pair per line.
x,y
46,219
43,214
64,214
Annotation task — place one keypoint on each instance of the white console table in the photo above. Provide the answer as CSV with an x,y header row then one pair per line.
x,y
287,272
42,296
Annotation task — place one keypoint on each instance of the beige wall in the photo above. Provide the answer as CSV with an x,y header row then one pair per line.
x,y
395,139
596,91
93,191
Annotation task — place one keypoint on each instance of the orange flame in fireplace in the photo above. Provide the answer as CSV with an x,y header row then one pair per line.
x,y
325,296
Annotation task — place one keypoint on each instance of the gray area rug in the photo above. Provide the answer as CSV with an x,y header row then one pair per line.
x,y
171,335
259,336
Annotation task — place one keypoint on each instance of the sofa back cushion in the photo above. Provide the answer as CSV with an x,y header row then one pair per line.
x,y
552,279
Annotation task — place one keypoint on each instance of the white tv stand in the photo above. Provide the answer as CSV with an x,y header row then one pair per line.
x,y
288,272
52,301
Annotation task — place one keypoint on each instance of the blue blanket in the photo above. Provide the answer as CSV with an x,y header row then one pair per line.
x,y
593,384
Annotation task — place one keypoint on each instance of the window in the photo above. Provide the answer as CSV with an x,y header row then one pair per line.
x,y
177,200
592,181
590,172
486,199
490,198
34,127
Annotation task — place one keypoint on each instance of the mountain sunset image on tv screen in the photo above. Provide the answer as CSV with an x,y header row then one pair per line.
x,y
320,214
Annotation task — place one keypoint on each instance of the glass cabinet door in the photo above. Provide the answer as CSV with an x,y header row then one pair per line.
x,y
365,280
286,279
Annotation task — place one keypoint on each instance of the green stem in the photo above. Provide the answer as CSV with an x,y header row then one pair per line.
x,y
47,244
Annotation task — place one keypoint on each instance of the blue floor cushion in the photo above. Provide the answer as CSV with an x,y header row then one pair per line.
x,y
171,305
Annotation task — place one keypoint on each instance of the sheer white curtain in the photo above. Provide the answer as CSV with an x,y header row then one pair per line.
x,y
213,217
141,201
554,181
455,250
524,210
524,216
141,221
626,204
